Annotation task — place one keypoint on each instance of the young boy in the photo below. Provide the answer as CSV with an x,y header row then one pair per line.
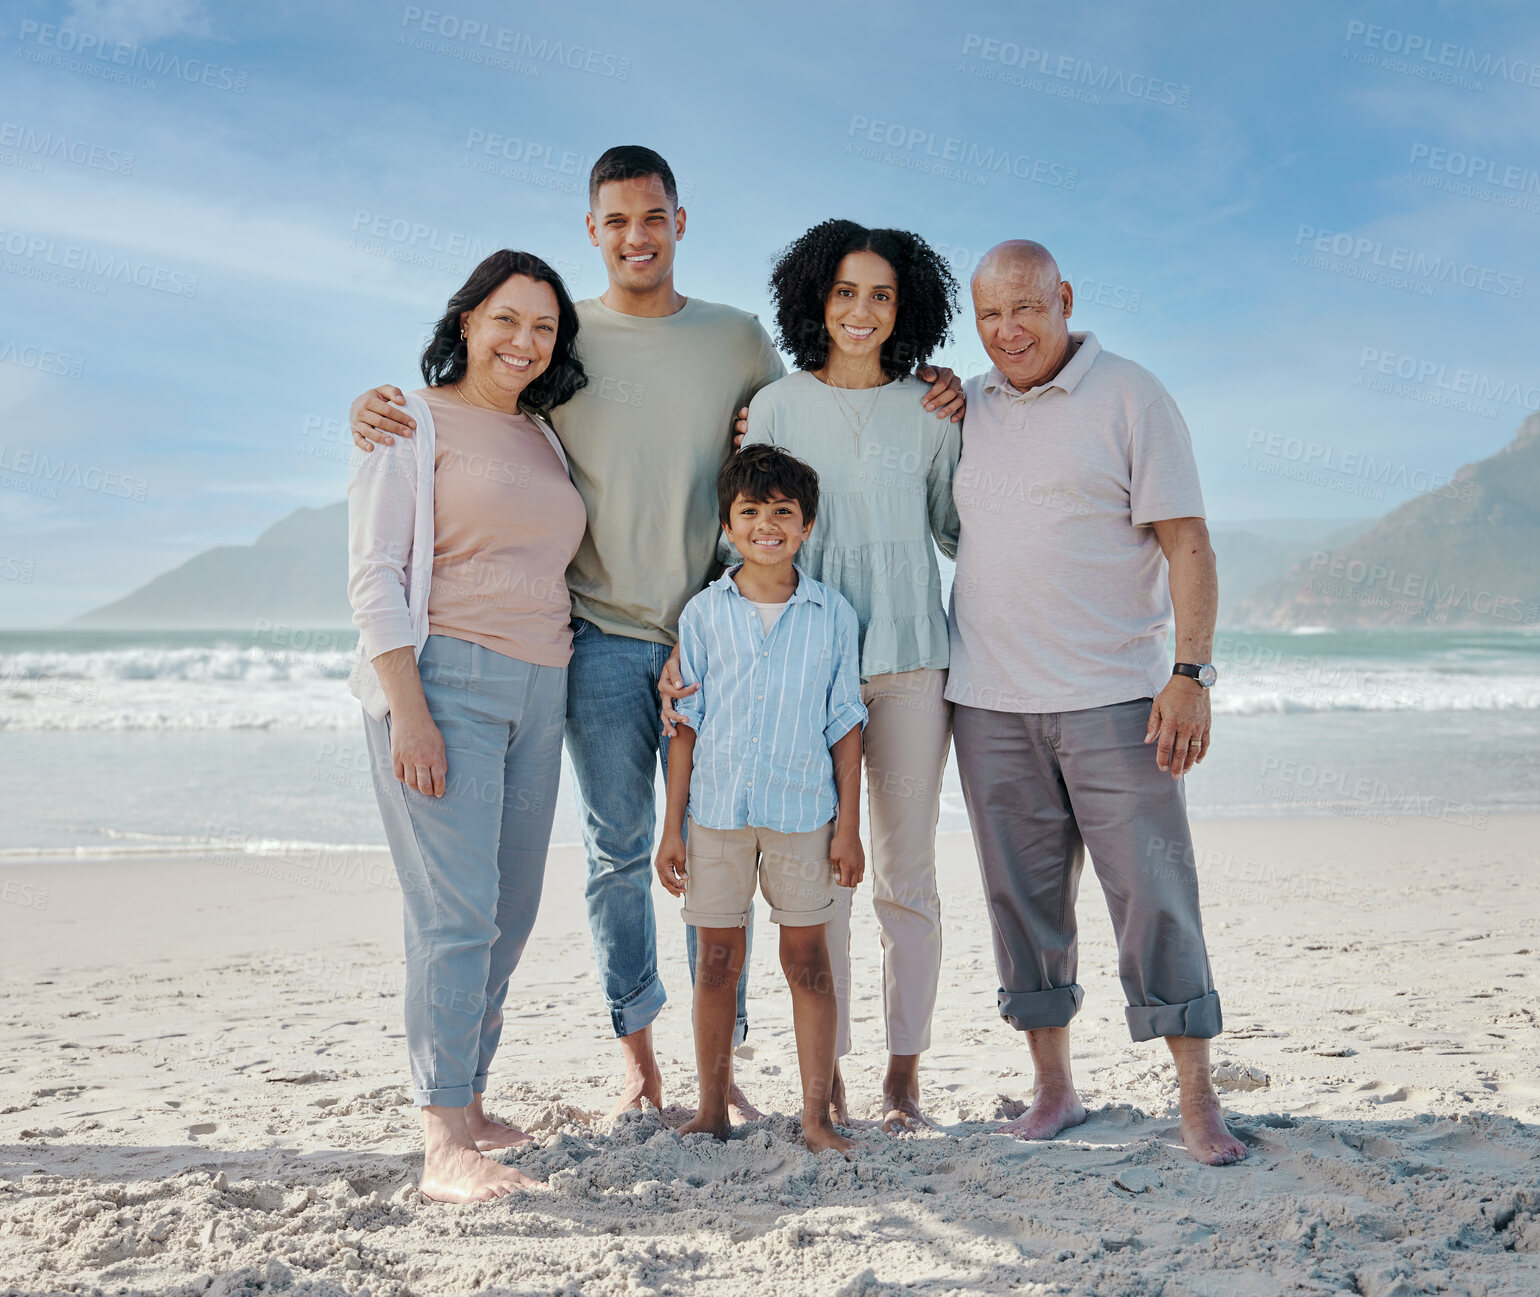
x,y
769,764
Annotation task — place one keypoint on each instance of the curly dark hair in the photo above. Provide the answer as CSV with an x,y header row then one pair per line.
x,y
759,471
443,359
804,275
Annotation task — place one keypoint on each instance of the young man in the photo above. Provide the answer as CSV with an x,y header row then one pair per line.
x,y
768,760
645,439
1082,530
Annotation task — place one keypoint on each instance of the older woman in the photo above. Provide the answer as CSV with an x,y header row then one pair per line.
x,y
457,544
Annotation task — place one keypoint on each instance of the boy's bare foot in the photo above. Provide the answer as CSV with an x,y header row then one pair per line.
x,y
464,1175
489,1134
839,1114
644,1081
739,1109
901,1096
1053,1109
1204,1131
718,1128
818,1138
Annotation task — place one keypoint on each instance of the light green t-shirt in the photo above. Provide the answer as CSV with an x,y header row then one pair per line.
x,y
883,494
645,440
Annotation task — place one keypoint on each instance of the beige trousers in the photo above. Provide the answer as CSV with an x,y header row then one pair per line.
x,y
908,732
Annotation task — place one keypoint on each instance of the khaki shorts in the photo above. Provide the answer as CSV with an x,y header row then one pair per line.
x,y
794,871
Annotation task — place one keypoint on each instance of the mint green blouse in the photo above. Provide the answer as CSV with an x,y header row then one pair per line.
x,y
883,493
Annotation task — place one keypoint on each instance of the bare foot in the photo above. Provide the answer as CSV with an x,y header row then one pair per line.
x,y
644,1082
1052,1110
739,1109
839,1114
489,1134
716,1128
901,1096
818,1138
1204,1131
462,1175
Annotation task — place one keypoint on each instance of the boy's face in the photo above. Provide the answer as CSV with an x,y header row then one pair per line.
x,y
767,533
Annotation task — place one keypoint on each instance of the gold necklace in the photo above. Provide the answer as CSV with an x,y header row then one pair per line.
x,y
856,416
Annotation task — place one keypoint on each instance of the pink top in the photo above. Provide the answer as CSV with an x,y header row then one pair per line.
x,y
506,522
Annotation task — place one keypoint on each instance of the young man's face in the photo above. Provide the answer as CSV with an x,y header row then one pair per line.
x,y
767,533
635,227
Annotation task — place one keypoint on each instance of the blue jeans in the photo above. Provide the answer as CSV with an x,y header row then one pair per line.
x,y
471,863
615,739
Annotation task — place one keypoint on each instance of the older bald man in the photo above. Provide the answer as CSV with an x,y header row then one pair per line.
x,y
1082,533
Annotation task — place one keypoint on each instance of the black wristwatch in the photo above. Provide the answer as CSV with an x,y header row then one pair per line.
x,y
1203,672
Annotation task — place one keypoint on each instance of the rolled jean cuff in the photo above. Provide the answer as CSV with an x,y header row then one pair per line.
x,y
740,1032
479,1083
1034,1010
1198,1019
640,1008
447,1096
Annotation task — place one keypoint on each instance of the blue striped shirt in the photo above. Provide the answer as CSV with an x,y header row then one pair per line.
x,y
769,707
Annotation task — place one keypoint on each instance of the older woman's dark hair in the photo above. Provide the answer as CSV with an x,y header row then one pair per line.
x,y
444,361
804,276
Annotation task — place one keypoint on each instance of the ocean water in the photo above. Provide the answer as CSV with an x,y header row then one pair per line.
x,y
118,744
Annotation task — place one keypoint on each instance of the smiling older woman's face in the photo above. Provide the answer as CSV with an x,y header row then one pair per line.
x,y
510,336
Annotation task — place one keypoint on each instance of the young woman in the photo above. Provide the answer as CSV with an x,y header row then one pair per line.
x,y
860,310
458,541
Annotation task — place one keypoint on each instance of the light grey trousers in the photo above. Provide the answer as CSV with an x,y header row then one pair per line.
x,y
1041,788
472,862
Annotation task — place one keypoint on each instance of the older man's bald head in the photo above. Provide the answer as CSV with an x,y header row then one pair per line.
x,y
1022,306
1019,259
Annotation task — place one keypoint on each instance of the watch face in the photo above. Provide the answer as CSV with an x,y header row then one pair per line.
x,y
1207,675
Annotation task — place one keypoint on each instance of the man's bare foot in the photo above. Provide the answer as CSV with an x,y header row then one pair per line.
x,y
489,1134
818,1138
739,1109
1053,1109
644,1082
718,1128
839,1114
464,1175
901,1096
1204,1131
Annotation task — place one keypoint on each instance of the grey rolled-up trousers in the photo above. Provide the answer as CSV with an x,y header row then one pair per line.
x,y
472,862
1042,788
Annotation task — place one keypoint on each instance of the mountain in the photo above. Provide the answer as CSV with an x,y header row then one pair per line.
x,y
1463,554
1252,554
295,574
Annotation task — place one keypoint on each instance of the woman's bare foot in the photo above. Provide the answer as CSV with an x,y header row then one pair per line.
x,y
821,1136
901,1096
1204,1131
489,1134
453,1170
717,1128
644,1081
838,1112
739,1109
1053,1109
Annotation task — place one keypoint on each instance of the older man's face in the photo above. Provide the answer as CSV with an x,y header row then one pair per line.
x,y
1023,314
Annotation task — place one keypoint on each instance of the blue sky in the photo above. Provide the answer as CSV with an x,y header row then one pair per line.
x,y
1319,225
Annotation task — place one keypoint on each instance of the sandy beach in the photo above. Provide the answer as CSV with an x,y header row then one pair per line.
x,y
202,1090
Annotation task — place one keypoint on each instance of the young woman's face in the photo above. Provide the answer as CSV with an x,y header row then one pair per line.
x,y
509,338
862,306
